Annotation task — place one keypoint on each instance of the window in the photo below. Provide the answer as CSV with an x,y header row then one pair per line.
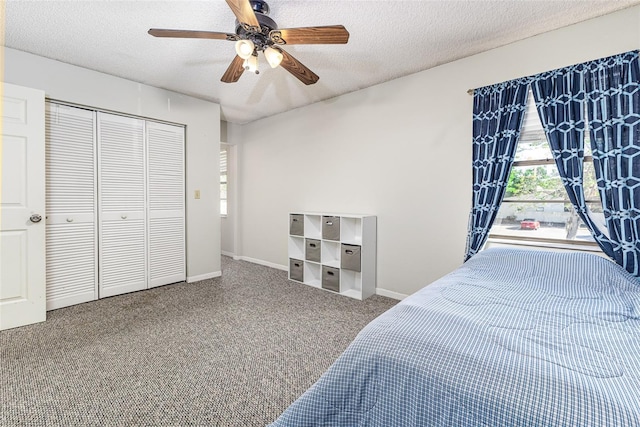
x,y
536,206
223,180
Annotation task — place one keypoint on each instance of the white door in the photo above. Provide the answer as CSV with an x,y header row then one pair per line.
x,y
72,265
122,205
165,148
22,207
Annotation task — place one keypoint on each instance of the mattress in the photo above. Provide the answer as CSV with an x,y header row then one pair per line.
x,y
511,338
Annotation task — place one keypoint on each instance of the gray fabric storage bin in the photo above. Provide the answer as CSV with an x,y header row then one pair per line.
x,y
331,278
312,250
331,227
350,258
296,270
296,224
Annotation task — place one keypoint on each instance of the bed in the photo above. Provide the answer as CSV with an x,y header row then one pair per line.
x,y
511,338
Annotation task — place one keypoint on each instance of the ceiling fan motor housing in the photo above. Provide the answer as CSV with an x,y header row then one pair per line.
x,y
259,6
259,36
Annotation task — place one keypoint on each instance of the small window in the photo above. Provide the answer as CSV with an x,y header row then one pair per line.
x,y
536,206
223,180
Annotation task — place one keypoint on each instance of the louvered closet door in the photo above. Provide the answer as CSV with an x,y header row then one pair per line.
x,y
70,206
121,192
165,148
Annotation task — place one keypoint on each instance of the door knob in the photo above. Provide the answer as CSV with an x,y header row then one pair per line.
x,y
35,218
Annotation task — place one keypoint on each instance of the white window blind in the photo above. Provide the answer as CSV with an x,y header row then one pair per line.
x,y
223,179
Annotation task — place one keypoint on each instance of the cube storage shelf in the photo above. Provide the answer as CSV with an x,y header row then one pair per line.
x,y
335,252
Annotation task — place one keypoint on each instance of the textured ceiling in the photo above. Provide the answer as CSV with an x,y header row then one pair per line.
x,y
389,39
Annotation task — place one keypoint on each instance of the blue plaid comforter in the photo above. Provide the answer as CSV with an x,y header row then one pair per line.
x,y
511,338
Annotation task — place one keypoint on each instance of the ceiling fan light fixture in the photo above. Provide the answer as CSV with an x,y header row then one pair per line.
x,y
245,48
251,64
274,56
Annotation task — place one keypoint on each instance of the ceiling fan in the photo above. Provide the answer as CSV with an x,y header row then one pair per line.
x,y
256,32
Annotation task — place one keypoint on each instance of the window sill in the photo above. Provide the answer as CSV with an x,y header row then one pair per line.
x,y
550,244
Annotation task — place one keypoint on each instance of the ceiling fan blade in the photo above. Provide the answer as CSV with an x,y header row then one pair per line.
x,y
332,34
298,69
188,34
243,11
234,71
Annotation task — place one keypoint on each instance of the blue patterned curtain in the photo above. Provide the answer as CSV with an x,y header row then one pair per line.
x,y
560,100
498,112
613,103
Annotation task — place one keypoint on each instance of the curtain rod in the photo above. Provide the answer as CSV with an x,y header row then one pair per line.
x,y
470,91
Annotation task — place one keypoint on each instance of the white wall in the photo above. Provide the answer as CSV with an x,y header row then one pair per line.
x,y
400,150
77,85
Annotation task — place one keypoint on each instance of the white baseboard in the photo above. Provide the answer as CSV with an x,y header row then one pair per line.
x,y
390,294
229,254
261,262
191,279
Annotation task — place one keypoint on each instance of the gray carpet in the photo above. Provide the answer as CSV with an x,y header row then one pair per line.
x,y
230,351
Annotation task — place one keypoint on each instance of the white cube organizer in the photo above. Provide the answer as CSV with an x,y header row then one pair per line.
x,y
342,238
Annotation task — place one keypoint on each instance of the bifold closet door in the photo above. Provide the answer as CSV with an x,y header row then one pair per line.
x,y
71,243
122,207
166,213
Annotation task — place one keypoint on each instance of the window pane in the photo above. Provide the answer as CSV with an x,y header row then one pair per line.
x,y
587,134
544,220
223,159
540,182
590,184
536,205
587,144
533,145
